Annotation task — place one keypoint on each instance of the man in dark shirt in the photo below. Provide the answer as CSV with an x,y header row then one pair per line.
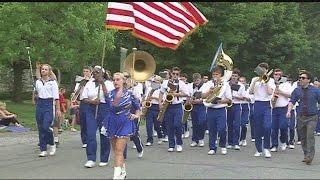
x,y
308,96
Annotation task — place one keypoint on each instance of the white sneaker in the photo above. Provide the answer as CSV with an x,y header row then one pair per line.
x,y
148,144
257,154
298,142
160,141
291,146
207,132
155,134
193,144
170,150
56,139
165,139
43,154
186,134
84,145
101,164
140,154
224,151
244,142
201,143
229,146
90,164
283,146
237,147
253,140
211,152
52,150
267,153
318,133
134,147
274,149
240,143
179,148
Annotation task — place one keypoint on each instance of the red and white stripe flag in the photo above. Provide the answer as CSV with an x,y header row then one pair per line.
x,y
164,24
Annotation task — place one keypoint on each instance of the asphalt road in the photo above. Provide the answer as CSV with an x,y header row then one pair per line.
x,y
19,160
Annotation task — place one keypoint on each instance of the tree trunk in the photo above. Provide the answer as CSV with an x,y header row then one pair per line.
x,y
18,67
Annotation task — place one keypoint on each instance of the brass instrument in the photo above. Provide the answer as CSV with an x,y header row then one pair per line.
x,y
223,60
168,100
140,64
275,96
187,108
146,105
264,76
82,82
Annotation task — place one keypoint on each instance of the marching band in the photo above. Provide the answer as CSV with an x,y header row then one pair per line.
x,y
225,105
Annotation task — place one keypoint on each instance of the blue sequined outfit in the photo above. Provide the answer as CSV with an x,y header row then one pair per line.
x,y
117,123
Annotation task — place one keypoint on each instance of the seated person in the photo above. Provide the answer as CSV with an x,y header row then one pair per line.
x,y
7,117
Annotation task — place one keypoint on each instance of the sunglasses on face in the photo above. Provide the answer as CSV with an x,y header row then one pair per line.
x,y
303,78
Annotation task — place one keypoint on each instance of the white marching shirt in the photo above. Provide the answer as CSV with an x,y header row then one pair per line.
x,y
90,90
225,92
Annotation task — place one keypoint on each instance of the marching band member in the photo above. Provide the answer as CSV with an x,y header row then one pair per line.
x,y
198,113
308,96
131,86
296,108
245,112
166,75
292,119
234,113
174,112
280,99
98,109
86,71
185,128
262,92
47,90
153,111
119,124
217,114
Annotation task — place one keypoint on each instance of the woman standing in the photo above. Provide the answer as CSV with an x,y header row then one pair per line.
x,y
47,90
119,125
94,96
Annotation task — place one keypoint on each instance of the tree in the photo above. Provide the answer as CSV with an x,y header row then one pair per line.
x,y
65,35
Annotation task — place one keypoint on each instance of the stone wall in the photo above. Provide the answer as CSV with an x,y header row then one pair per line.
x,y
6,81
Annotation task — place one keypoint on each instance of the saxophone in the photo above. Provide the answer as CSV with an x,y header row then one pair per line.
x,y
223,60
208,102
187,107
146,104
168,100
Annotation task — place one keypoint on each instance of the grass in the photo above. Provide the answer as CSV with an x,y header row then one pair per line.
x,y
25,112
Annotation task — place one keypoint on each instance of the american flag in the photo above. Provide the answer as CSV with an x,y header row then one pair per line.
x,y
164,24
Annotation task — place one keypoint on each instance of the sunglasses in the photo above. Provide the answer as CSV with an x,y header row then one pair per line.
x,y
302,77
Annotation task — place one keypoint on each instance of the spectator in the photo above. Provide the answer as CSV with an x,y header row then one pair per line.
x,y
7,117
74,112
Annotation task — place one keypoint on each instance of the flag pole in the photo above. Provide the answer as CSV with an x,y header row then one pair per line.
x,y
102,61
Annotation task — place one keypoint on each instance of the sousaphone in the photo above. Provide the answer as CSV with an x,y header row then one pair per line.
x,y
140,64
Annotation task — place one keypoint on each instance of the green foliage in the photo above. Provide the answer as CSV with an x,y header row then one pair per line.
x,y
70,35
